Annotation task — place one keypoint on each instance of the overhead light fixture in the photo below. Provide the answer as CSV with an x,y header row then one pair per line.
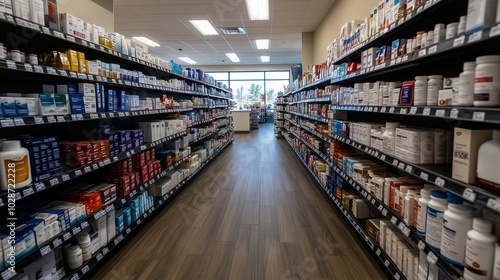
x,y
258,9
147,41
187,60
262,44
233,57
265,58
205,27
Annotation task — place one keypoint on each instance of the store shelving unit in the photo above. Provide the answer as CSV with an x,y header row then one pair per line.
x,y
279,119
446,57
254,118
44,39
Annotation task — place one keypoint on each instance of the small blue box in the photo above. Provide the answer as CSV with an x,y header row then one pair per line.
x,y
76,103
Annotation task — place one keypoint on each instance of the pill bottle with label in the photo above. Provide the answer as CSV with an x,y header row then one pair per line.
x,y
85,244
466,84
451,30
430,38
389,137
487,174
457,221
423,201
434,85
435,211
479,251
14,160
74,257
420,93
461,25
439,32
487,81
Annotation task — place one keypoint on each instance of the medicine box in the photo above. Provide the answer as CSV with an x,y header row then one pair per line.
x,y
480,14
8,106
51,14
77,105
64,89
21,9
465,150
37,11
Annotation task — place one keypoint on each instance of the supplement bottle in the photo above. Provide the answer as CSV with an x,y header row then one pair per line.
x,y
430,38
466,85
487,160
435,211
487,81
14,159
457,221
423,201
434,85
439,33
461,25
389,137
74,257
496,268
85,245
479,251
420,95
451,30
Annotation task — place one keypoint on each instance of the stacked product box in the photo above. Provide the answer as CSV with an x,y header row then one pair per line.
x,y
92,199
45,157
77,154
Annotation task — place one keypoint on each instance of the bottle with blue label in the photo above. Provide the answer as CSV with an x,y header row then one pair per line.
x,y
457,221
435,213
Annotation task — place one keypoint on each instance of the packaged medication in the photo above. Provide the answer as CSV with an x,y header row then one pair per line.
x,y
435,211
420,92
451,30
480,14
465,152
487,81
434,85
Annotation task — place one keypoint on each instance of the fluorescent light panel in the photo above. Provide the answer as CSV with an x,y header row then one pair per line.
x,y
258,9
262,44
147,41
205,27
233,57
187,59
265,58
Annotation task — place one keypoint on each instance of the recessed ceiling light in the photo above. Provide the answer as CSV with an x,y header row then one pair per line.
x,y
204,26
233,57
265,58
187,59
147,41
258,9
262,44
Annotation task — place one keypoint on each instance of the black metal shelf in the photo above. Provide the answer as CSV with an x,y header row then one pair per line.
x,y
379,252
324,99
317,134
309,117
319,83
439,175
51,182
487,115
59,38
201,137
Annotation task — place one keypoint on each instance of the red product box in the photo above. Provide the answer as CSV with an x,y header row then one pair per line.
x,y
153,154
120,168
148,157
129,162
137,178
139,159
151,169
92,200
133,182
144,174
158,167
122,184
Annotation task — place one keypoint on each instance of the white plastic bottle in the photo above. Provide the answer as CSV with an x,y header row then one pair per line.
x,y
479,251
487,161
487,81
74,257
466,85
496,268
434,85
457,221
435,211
420,96
423,201
389,137
85,244
14,160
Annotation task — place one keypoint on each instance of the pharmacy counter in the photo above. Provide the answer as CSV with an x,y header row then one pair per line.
x,y
241,120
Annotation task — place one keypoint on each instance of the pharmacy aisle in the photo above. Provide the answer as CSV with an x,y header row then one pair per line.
x,y
253,213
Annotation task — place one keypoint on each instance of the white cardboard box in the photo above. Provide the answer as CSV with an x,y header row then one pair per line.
x,y
465,150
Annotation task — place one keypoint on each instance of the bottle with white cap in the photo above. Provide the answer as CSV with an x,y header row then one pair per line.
x,y
479,251
487,81
389,137
420,95
423,201
487,160
15,158
434,85
457,221
435,211
466,85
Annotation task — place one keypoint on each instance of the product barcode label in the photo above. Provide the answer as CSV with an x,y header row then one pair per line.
x,y
51,71
81,76
459,41
401,226
387,263
18,122
75,277
38,69
493,204
401,165
138,221
105,250
51,119
394,220
87,169
94,116
454,113
85,269
123,201
431,257
391,110
78,172
11,64
63,73
440,113
28,191
57,242
439,181
76,230
94,166
406,231
46,30
426,111
84,224
397,276
67,236
73,75
54,181
99,257
7,122
424,176
422,52
128,230
404,111
433,49
476,36
409,169
478,116
70,38
45,250
382,157
28,67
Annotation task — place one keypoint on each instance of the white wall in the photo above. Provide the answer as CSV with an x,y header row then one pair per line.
x,y
89,11
257,67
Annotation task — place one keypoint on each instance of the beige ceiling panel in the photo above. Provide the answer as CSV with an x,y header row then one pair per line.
x,y
278,15
135,2
286,22
289,6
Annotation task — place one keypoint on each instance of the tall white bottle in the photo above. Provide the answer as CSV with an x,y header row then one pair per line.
x,y
466,84
435,211
479,251
487,162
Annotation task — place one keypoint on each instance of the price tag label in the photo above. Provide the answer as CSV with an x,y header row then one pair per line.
x,y
51,70
387,263
54,181
128,231
75,277
397,276
17,122
94,116
81,76
70,38
28,67
469,195
67,236
440,113
45,250
11,64
401,226
405,58
76,230
433,49
78,172
478,116
85,269
431,258
56,242
439,181
476,36
398,60
424,176
493,204
59,34
85,43
426,112
51,119
99,257
401,165
46,30
84,224
105,250
87,169
454,113
459,41
28,191
38,69
422,52
39,186
406,231
394,220
8,122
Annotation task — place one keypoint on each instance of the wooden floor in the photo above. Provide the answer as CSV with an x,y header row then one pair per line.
x,y
253,213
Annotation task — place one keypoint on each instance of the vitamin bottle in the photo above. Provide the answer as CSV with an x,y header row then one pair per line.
x,y
420,95
434,85
423,201
487,160
85,245
15,160
466,85
487,81
389,137
457,221
435,211
479,251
